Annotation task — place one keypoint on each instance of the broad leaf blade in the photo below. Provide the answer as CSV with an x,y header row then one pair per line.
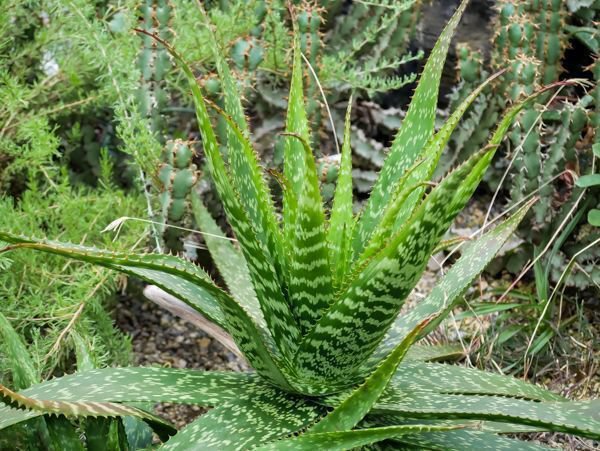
x,y
137,384
467,440
417,128
261,415
454,379
351,329
580,418
346,440
75,408
446,293
360,401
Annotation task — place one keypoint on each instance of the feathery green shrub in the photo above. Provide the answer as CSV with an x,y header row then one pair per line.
x,y
313,302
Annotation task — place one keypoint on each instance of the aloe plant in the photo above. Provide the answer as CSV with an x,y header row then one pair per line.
x,y
313,301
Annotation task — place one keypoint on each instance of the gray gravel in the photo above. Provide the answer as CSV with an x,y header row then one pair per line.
x,y
160,339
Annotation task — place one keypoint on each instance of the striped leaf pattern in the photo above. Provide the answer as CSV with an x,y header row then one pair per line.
x,y
246,171
341,221
269,292
358,404
445,294
336,346
314,303
431,153
417,128
310,281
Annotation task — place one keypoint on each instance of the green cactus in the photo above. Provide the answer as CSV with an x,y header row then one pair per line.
x,y
177,176
177,172
530,40
154,63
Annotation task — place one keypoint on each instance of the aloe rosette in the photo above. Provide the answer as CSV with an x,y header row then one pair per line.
x,y
312,300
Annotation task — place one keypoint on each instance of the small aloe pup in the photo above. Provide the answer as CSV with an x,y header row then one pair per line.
x,y
313,302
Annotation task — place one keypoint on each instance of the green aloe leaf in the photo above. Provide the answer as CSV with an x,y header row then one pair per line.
x,y
19,360
254,341
137,385
360,401
341,222
246,171
417,128
229,261
493,427
400,209
435,353
260,415
310,283
585,181
165,271
337,345
580,418
345,440
385,228
453,379
77,408
467,440
276,311
475,257
594,217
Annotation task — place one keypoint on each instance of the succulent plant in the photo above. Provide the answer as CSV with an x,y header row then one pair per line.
x,y
314,301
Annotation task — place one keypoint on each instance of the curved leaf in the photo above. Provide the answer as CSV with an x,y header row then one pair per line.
x,y
454,379
417,128
580,418
254,342
135,385
21,402
345,440
467,440
475,257
310,283
258,416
